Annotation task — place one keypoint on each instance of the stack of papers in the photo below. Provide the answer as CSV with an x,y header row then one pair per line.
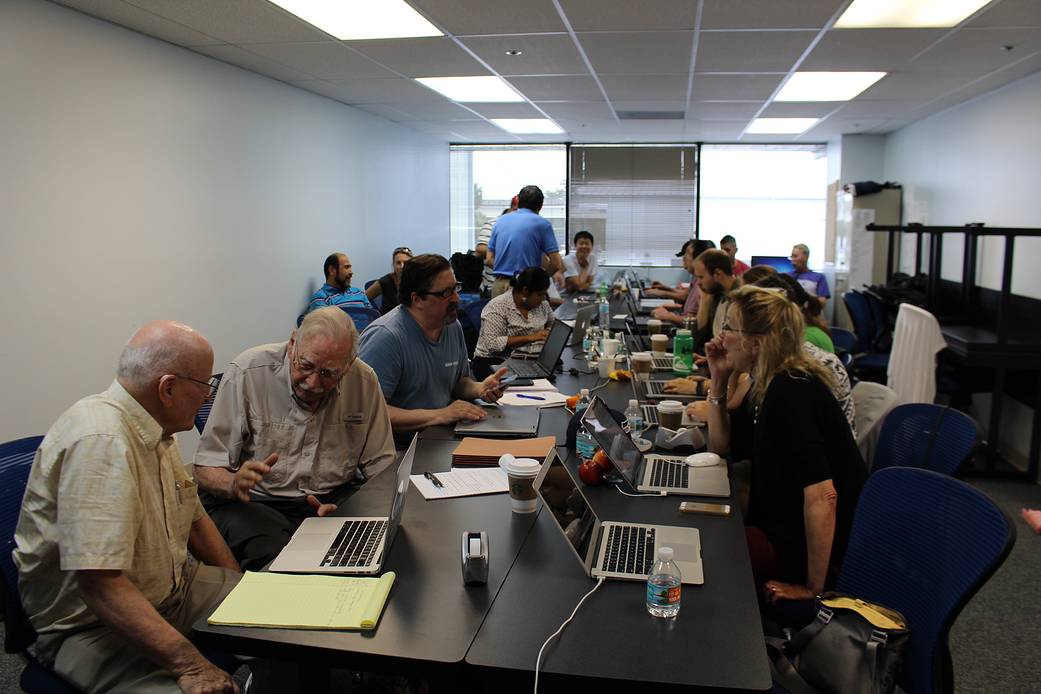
x,y
541,393
473,451
466,482
286,601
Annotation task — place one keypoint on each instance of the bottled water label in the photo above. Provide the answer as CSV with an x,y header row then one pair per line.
x,y
664,593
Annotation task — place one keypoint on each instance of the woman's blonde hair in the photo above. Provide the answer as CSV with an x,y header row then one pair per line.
x,y
778,323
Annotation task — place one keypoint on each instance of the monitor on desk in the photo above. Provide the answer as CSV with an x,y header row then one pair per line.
x,y
777,262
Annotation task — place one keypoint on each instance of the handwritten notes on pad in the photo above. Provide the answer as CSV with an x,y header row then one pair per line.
x,y
465,482
304,601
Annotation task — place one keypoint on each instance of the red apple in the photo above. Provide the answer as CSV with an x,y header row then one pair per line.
x,y
590,473
601,459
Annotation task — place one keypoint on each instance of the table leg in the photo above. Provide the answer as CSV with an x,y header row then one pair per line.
x,y
994,430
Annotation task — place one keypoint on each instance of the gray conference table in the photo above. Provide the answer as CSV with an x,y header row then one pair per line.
x,y
478,638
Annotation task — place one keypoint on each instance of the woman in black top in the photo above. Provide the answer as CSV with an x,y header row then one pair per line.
x,y
387,286
807,472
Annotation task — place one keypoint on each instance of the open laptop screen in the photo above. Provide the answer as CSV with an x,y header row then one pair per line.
x,y
569,507
397,503
554,346
601,424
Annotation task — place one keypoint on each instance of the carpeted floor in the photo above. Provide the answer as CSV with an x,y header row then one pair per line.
x,y
993,643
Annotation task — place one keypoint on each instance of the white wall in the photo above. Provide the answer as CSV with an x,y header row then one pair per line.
x,y
139,180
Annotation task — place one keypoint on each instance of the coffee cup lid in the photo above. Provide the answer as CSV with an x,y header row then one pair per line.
x,y
656,321
659,337
670,406
642,356
519,467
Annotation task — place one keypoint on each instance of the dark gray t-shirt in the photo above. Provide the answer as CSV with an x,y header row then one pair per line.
x,y
414,372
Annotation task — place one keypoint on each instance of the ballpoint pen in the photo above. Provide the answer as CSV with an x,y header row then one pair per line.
x,y
433,478
529,397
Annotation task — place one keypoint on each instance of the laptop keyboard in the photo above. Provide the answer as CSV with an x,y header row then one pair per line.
x,y
655,387
526,370
661,363
356,543
630,550
650,415
665,473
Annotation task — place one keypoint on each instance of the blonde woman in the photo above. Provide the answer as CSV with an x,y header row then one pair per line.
x,y
806,469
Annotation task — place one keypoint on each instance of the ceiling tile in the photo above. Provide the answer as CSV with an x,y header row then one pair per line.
x,y
1010,13
723,110
557,88
648,105
541,54
578,111
423,57
445,110
482,131
869,49
395,91
250,61
915,85
979,50
750,51
650,87
327,60
654,53
734,87
864,108
135,18
833,127
235,21
717,129
506,110
465,17
803,109
768,14
660,15
389,112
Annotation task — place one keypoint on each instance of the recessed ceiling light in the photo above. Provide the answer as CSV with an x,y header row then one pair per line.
x,y
362,19
514,52
780,126
827,86
486,89
906,14
528,126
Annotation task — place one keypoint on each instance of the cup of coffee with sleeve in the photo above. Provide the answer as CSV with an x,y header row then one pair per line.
x,y
641,363
653,326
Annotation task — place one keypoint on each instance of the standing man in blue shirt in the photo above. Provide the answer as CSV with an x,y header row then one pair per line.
x,y
519,240
337,290
814,283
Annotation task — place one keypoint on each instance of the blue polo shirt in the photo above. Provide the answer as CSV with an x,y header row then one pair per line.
x,y
414,372
329,295
519,240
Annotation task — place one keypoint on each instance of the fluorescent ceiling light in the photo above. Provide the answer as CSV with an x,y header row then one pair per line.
x,y
827,86
488,89
906,14
528,126
781,126
362,19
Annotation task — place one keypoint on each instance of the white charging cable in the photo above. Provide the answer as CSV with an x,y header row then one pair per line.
x,y
622,491
556,633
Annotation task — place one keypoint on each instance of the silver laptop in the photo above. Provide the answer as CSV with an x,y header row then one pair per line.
x,y
583,317
610,548
651,473
347,545
655,390
650,417
504,420
546,364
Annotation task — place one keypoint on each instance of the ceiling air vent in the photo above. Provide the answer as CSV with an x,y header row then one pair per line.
x,y
650,115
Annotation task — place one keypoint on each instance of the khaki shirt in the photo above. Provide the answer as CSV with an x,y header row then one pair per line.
x,y
255,414
106,491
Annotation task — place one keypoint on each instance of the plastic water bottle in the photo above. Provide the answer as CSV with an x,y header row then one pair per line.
x,y
585,444
604,313
634,418
663,586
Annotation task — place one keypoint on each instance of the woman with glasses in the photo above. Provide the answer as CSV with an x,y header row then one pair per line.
x,y
387,286
806,469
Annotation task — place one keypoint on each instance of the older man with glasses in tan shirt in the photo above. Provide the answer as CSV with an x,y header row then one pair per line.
x,y
295,427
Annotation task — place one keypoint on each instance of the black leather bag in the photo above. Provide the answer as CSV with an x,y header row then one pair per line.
x,y
851,647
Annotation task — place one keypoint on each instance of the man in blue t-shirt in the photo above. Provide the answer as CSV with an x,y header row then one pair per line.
x,y
337,290
419,354
520,239
814,283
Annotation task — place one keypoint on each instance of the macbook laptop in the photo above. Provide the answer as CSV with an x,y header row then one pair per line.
x,y
583,317
347,545
655,390
504,420
651,473
546,364
613,549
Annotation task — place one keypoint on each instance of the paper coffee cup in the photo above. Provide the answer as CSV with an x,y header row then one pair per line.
x,y
670,414
659,343
521,473
606,366
641,362
653,326
610,346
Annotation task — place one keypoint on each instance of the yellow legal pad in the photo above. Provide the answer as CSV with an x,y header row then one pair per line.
x,y
305,601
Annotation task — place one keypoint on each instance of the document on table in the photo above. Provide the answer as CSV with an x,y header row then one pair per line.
x,y
541,393
463,482
304,601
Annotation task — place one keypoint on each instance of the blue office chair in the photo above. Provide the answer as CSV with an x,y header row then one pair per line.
x,y
16,459
470,321
378,301
923,543
204,412
845,341
926,436
867,364
361,315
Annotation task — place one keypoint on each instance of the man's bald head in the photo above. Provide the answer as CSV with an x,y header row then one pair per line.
x,y
163,347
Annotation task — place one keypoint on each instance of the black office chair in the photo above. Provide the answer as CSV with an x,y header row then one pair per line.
x,y
204,412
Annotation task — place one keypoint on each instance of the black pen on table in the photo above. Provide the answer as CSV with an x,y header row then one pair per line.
x,y
433,478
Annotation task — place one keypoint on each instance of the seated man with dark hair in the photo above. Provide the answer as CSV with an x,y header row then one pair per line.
x,y
580,267
419,353
728,244
337,290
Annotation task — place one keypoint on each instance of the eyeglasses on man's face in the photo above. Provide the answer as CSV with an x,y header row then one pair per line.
x,y
445,293
211,384
306,368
